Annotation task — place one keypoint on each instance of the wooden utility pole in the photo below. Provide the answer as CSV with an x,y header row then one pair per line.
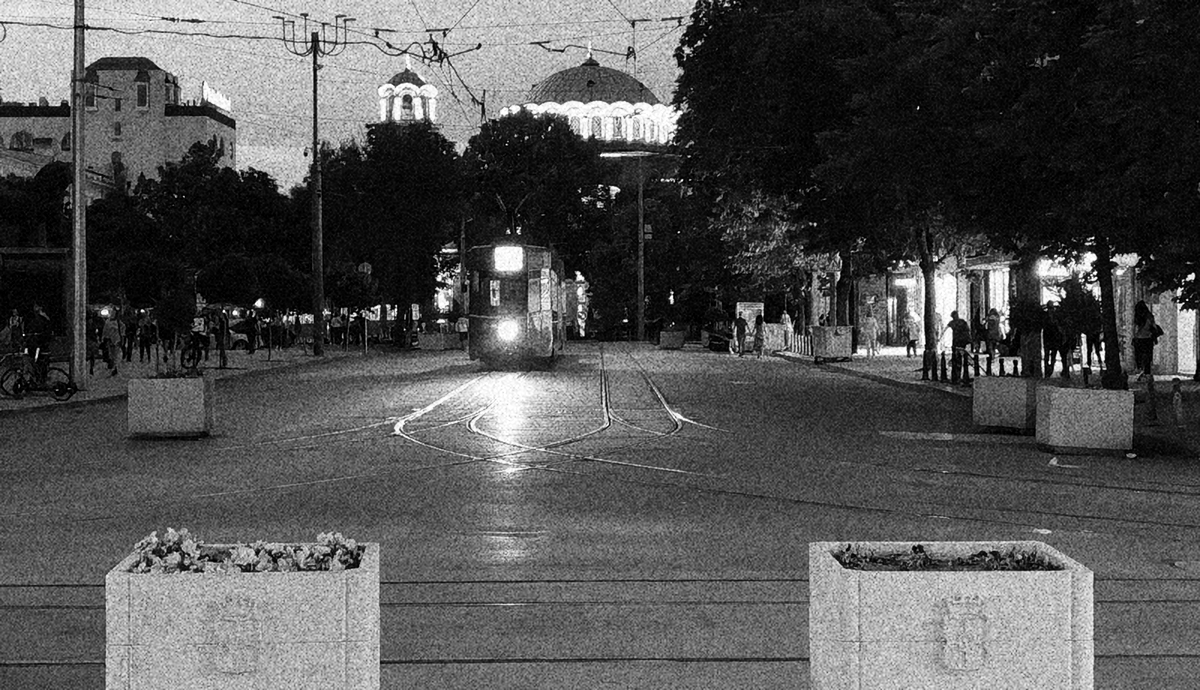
x,y
78,213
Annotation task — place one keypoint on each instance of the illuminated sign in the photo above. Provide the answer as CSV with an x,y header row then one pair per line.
x,y
507,259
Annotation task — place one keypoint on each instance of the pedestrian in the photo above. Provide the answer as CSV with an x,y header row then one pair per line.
x,y
995,334
129,321
960,340
16,331
335,330
869,330
1145,336
252,332
786,322
146,330
92,340
758,335
739,334
462,325
110,342
912,331
1052,338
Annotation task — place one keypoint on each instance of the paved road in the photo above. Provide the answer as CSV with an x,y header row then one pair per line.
x,y
634,518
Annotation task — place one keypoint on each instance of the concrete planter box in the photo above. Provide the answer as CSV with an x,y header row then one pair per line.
x,y
671,340
831,343
438,341
171,408
1004,401
1080,420
949,630
228,631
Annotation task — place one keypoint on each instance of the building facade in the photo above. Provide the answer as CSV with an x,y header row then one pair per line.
x,y
134,122
407,97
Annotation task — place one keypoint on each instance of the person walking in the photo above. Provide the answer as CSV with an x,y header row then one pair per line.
x,y
786,322
869,329
759,336
145,336
129,321
739,334
1145,337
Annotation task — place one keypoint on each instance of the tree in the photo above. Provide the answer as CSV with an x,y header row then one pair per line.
x,y
392,203
533,176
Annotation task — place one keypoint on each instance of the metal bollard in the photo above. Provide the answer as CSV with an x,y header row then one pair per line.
x,y
955,365
1016,367
945,375
1177,400
1002,367
976,362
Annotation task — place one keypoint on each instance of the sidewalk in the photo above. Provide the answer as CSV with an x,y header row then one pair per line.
x,y
1157,434
103,386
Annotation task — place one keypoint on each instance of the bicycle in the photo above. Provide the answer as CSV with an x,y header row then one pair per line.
x,y
192,354
20,373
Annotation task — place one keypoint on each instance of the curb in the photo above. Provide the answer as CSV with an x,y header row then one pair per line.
x,y
960,392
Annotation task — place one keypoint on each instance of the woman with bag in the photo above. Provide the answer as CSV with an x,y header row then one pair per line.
x,y
1145,337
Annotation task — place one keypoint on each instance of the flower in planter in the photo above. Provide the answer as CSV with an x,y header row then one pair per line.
x,y
179,552
919,559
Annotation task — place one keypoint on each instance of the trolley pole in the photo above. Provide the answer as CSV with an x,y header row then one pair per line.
x,y
318,44
78,214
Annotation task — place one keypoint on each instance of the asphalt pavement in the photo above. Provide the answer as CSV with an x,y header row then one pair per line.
x,y
634,518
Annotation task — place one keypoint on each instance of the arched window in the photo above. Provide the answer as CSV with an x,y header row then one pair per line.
x,y
406,107
637,129
577,125
65,145
653,135
618,128
597,127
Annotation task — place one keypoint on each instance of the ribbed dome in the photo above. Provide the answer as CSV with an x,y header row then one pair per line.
x,y
407,77
591,82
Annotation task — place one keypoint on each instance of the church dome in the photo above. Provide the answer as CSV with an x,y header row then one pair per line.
x,y
407,77
591,82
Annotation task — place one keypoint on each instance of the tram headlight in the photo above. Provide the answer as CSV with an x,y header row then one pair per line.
x,y
507,330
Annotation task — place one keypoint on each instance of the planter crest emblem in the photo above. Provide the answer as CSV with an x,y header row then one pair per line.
x,y
964,628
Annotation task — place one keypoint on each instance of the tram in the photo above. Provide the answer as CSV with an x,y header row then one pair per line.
x,y
515,304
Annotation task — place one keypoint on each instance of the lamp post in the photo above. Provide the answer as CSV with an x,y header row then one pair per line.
x,y
318,44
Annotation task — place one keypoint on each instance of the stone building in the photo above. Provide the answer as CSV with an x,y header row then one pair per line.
x,y
407,97
134,122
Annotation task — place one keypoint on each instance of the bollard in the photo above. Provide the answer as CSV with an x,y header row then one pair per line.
x,y
988,371
1002,366
1087,374
976,361
1016,367
945,376
1177,400
955,365
925,365
966,369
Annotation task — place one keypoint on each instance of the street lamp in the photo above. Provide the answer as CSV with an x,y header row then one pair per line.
x,y
319,43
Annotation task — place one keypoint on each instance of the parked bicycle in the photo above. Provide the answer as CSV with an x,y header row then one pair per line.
x,y
20,374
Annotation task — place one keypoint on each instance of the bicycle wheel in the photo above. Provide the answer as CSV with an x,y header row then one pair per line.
x,y
59,383
12,383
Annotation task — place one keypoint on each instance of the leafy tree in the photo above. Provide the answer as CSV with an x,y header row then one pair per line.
x,y
532,175
230,278
392,203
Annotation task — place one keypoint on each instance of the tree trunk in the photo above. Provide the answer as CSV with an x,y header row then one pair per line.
x,y
1114,377
1028,298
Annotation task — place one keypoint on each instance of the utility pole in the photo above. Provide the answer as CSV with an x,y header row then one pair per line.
x,y
78,214
318,44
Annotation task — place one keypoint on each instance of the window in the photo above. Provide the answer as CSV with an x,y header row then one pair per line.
x,y
66,142
143,95
637,129
618,128
21,141
117,104
406,107
89,96
494,292
597,127
116,129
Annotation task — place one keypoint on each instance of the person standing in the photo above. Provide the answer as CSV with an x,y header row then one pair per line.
x,y
145,335
110,342
1145,337
739,334
129,321
960,342
1052,339
869,328
786,322
994,333
16,331
912,331
759,336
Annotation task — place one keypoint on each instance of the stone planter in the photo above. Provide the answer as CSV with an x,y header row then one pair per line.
x,y
171,408
949,630
1004,401
317,630
831,343
1083,420
671,340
